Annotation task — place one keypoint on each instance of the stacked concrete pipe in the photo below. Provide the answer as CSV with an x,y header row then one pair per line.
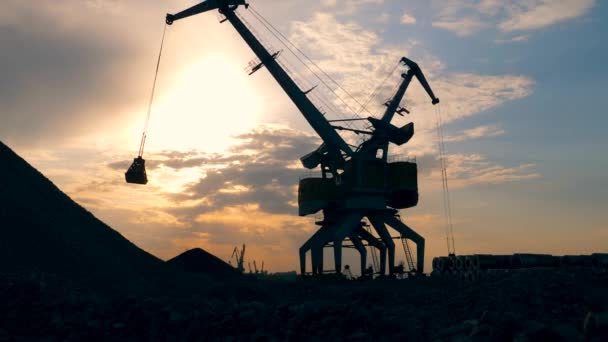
x,y
471,267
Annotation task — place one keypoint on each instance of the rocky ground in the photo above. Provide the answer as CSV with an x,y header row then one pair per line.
x,y
524,305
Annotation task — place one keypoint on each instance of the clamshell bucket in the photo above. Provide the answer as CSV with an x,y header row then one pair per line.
x,y
136,174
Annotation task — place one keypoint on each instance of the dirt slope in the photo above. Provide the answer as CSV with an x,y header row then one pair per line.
x,y
42,229
199,261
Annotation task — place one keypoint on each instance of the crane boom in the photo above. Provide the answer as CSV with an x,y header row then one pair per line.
x,y
414,70
204,6
420,76
334,143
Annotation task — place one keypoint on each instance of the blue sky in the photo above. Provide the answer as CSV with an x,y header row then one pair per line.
x,y
522,85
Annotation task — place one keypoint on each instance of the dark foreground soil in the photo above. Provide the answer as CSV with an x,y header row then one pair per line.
x,y
525,305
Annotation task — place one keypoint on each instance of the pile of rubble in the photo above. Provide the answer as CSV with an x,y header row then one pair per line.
x,y
471,267
493,326
519,305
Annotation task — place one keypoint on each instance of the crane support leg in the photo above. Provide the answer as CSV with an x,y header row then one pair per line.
x,y
318,239
346,226
317,259
303,251
367,236
410,234
338,255
362,251
380,227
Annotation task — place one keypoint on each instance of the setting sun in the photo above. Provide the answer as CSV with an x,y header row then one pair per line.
x,y
209,102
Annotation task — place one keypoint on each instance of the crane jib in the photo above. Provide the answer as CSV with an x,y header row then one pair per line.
x,y
336,146
307,108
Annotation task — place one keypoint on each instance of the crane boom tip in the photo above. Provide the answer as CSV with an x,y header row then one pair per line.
x,y
169,19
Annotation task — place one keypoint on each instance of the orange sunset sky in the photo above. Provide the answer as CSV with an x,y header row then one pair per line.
x,y
524,132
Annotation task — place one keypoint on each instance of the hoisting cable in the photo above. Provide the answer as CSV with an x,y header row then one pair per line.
x,y
296,76
376,90
286,65
444,181
446,200
266,23
447,189
287,43
316,96
145,132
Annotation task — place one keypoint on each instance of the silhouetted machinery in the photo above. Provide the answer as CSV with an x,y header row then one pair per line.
x,y
355,183
472,267
239,258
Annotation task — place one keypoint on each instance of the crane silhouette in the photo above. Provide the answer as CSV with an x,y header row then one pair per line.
x,y
355,183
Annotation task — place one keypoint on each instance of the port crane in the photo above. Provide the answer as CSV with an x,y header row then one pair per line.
x,y
355,183
239,258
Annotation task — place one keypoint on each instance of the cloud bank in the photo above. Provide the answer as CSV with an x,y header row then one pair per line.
x,y
466,17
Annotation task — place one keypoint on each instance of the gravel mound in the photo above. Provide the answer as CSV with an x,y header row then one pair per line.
x,y
200,261
42,229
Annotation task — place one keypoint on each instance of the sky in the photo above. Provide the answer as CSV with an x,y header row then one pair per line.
x,y
521,83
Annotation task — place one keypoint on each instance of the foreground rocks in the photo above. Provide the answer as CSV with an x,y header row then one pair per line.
x,y
527,305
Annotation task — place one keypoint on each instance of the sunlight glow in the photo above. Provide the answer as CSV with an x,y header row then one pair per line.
x,y
211,101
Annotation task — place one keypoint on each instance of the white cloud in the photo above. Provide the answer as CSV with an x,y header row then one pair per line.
x,y
465,17
516,39
349,6
486,131
383,18
462,27
329,3
353,56
543,13
470,169
408,19
466,94
108,5
363,65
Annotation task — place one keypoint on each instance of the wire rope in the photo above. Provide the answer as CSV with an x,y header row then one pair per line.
x,y
444,182
292,70
288,67
271,27
145,132
376,90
